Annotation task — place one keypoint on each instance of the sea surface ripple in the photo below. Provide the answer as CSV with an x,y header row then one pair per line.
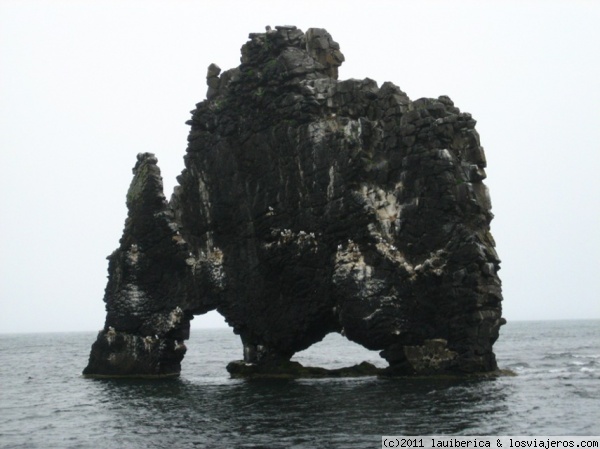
x,y
46,403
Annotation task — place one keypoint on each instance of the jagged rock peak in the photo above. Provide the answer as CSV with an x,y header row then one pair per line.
x,y
283,53
317,42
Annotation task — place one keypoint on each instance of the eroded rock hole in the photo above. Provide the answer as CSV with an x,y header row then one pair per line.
x,y
210,320
336,351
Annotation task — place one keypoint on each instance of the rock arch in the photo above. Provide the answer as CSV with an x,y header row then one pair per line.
x,y
309,205
336,351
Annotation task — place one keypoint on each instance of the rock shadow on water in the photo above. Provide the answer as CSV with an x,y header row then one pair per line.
x,y
311,410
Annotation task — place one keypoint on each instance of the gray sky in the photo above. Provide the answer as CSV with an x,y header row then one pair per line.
x,y
86,85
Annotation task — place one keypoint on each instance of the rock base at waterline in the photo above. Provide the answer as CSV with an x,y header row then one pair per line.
x,y
295,370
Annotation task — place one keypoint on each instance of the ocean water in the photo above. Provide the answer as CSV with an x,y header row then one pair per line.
x,y
46,403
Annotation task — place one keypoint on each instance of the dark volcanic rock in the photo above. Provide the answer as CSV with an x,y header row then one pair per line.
x,y
151,293
295,370
307,206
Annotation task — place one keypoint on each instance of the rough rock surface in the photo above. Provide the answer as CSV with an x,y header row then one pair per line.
x,y
310,205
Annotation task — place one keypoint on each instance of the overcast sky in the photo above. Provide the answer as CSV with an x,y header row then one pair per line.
x,y
86,85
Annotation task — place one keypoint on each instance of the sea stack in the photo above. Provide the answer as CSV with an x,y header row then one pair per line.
x,y
309,205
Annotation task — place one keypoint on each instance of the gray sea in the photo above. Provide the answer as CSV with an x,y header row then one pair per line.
x,y
46,403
